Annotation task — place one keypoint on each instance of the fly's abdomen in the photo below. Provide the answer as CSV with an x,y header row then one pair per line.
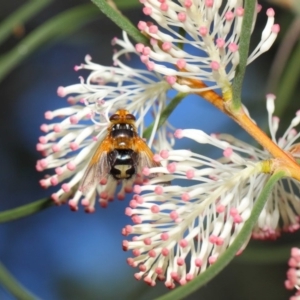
x,y
123,163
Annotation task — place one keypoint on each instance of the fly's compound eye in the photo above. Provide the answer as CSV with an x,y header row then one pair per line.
x,y
114,117
130,117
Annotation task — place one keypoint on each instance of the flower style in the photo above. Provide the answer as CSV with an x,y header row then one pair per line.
x,y
293,274
181,229
197,41
68,145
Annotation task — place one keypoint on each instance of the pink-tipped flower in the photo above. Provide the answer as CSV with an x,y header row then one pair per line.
x,y
195,219
293,273
76,130
208,49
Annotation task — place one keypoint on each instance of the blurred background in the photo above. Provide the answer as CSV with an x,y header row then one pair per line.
x,y
59,254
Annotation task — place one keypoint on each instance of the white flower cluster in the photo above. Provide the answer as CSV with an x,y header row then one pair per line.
x,y
198,40
70,141
182,228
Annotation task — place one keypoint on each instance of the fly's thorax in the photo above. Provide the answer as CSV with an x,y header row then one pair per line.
x,y
122,130
122,136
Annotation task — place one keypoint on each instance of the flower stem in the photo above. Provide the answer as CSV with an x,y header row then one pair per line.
x,y
284,160
165,114
230,253
209,95
250,6
120,20
25,210
13,286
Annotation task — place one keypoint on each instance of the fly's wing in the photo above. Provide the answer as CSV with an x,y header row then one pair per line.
x,y
145,156
98,168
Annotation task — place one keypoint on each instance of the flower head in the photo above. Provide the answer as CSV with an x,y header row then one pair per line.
x,y
181,229
198,40
70,141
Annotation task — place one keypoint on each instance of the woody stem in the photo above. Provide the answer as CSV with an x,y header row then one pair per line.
x,y
285,161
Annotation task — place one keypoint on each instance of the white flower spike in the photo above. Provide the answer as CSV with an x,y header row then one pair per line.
x,y
181,229
70,141
199,40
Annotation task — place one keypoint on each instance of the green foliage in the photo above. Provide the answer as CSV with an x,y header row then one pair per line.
x,y
244,43
13,286
25,210
57,27
121,20
20,16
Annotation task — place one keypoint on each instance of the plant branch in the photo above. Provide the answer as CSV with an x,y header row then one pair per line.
x,y
57,27
120,20
13,286
25,210
165,114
